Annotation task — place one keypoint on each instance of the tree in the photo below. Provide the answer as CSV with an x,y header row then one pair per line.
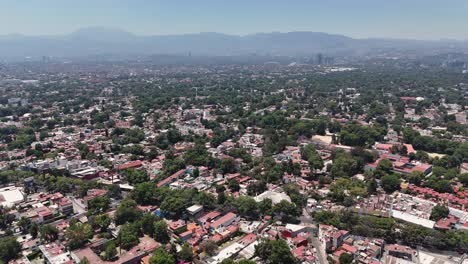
x,y
385,165
227,165
463,179
24,224
135,177
310,154
114,191
160,256
415,177
372,186
126,212
327,217
443,186
439,212
160,233
78,234
343,166
221,198
98,205
111,251
246,206
285,208
186,253
84,261
256,188
197,155
233,185
209,247
34,230
147,223
127,237
102,221
346,258
390,183
438,171
174,206
49,233
246,261
145,193
207,200
9,249
196,173
275,252
265,206
174,136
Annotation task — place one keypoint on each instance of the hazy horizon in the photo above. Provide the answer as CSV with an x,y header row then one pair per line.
x,y
105,28
422,20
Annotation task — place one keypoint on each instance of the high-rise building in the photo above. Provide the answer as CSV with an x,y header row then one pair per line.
x,y
319,58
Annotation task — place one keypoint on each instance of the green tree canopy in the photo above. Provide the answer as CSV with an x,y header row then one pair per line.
x,y
275,252
49,233
127,237
438,212
390,183
78,234
160,232
126,212
346,258
160,256
9,249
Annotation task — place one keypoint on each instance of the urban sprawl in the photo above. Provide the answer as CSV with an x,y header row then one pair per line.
x,y
302,163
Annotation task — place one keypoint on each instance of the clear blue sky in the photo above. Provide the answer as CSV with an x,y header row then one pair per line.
x,y
416,19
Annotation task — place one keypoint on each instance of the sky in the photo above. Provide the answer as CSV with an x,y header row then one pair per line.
x,y
411,19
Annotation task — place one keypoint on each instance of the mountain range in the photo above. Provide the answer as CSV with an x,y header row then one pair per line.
x,y
102,41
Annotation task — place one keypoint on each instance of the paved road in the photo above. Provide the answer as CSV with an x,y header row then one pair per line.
x,y
321,255
306,218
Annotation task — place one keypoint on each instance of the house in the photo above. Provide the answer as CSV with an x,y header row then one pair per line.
x,y
45,215
388,147
401,164
224,221
171,178
330,237
130,165
292,230
184,236
349,249
446,223
400,251
65,206
208,217
300,241
55,254
195,210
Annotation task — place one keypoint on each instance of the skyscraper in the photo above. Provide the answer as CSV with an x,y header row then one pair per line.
x,y
319,58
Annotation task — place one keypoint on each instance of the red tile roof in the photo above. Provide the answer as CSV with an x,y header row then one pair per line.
x,y
349,248
171,178
131,164
222,220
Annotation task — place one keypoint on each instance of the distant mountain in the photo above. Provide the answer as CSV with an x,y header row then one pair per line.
x,y
99,41
101,35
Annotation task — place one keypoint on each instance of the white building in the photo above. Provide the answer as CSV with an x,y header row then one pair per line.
x,y
10,196
275,197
